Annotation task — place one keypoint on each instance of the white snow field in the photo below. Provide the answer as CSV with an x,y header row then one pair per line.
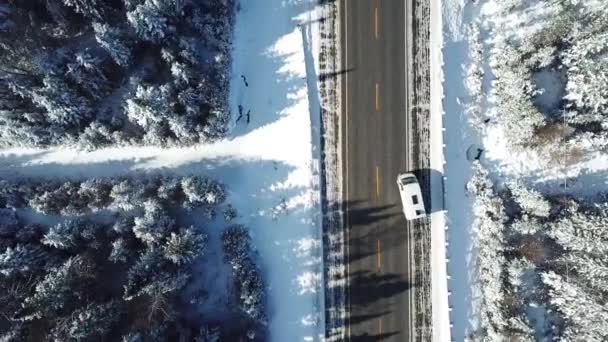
x,y
270,165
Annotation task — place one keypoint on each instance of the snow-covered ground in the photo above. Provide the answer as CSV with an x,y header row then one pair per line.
x,y
458,137
270,164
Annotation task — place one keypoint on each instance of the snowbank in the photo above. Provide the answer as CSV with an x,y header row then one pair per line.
x,y
439,288
458,137
270,164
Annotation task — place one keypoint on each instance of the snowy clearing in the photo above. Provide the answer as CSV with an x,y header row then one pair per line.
x,y
270,164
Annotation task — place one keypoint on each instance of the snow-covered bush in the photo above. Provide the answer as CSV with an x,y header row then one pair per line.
x,y
93,321
250,288
563,256
586,314
531,202
565,42
488,242
473,77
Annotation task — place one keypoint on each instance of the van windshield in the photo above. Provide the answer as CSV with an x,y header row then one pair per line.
x,y
409,180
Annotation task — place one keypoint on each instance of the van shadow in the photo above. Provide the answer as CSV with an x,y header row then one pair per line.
x,y
432,187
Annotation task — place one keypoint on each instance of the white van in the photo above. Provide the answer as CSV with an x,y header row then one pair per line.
x,y
411,196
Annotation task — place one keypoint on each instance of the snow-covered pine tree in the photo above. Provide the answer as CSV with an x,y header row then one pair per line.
x,y
126,195
95,135
515,271
17,332
586,315
57,199
248,282
588,270
527,225
124,225
230,213
95,192
133,337
142,273
150,105
63,105
86,70
208,334
153,19
120,251
531,201
90,9
54,291
116,41
92,322
202,191
22,259
154,225
64,235
170,190
184,246
488,240
581,230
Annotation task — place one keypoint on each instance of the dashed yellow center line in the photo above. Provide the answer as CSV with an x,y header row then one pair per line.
x,y
377,97
377,182
379,254
376,19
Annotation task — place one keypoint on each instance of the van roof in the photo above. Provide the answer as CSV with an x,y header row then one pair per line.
x,y
411,196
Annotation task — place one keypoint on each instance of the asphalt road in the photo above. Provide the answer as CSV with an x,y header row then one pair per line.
x,y
376,149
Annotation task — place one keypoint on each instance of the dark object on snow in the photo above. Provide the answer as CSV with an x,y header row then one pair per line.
x,y
486,120
240,113
248,117
245,80
474,152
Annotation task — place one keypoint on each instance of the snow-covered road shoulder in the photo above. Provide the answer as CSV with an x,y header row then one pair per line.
x,y
439,286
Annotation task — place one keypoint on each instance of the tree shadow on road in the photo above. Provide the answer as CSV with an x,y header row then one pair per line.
x,y
360,217
366,317
372,338
367,287
363,216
